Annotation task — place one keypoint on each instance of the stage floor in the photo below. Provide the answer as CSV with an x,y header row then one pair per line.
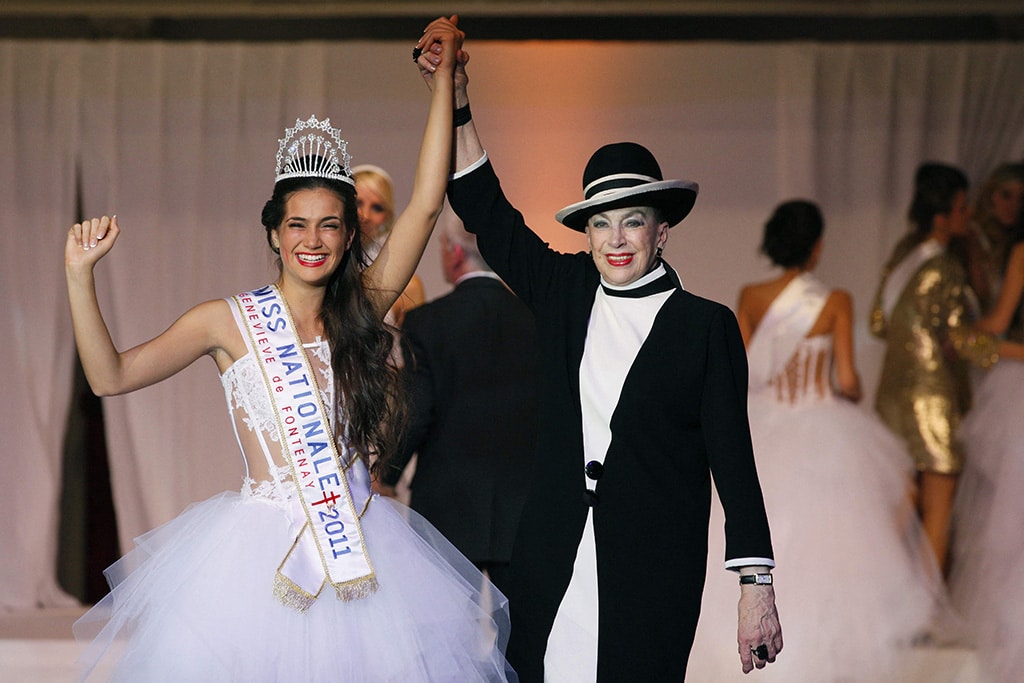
x,y
37,647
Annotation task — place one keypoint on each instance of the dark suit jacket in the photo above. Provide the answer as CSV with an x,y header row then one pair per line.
x,y
470,358
681,416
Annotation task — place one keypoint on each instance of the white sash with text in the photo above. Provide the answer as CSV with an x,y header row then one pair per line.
x,y
330,548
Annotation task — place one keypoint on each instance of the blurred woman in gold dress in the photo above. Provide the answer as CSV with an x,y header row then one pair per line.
x,y
923,310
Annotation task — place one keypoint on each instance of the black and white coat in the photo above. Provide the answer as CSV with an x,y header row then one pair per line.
x,y
681,417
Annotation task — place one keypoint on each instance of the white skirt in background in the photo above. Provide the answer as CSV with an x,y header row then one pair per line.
x,y
987,545
855,581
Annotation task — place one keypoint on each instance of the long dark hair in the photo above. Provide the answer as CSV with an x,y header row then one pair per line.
x,y
371,405
935,187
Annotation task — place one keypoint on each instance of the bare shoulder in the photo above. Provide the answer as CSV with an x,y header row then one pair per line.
x,y
754,301
216,321
213,314
758,296
759,292
747,300
839,300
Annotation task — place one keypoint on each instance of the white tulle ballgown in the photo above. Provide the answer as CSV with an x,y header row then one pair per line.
x,y
987,546
855,583
194,600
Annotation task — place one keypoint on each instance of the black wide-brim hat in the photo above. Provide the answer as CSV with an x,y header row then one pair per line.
x,y
625,174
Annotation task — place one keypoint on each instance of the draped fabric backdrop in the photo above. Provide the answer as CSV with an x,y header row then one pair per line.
x,y
179,140
38,148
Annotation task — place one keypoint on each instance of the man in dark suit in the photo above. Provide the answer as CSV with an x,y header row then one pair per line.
x,y
470,360
643,398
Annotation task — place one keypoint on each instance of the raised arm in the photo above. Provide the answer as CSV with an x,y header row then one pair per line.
x,y
468,148
394,266
108,370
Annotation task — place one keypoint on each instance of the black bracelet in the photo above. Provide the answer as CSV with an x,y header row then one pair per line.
x,y
462,116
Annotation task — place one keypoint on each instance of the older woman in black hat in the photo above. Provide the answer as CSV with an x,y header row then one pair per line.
x,y
644,398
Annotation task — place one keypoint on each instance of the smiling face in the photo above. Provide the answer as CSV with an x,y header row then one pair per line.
x,y
624,242
312,238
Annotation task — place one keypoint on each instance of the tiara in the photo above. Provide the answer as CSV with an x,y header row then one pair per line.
x,y
313,154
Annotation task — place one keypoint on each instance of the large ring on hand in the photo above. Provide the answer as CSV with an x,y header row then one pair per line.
x,y
761,651
416,52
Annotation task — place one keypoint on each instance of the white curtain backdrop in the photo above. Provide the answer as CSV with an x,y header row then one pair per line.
x,y
179,140
38,144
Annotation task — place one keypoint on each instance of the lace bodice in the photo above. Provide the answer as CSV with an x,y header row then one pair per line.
x,y
806,376
256,425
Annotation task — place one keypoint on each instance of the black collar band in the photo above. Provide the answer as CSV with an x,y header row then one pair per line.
x,y
662,284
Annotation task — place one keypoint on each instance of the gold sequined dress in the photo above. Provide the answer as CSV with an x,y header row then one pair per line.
x,y
924,388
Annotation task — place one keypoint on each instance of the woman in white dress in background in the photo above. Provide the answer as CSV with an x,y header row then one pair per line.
x,y
989,507
854,578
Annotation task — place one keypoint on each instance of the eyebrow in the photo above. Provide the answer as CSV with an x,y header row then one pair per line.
x,y
306,220
639,210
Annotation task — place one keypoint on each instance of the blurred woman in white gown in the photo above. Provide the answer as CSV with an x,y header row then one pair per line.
x,y
854,578
987,547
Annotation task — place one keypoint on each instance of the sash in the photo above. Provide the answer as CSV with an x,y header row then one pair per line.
x,y
785,324
899,276
329,547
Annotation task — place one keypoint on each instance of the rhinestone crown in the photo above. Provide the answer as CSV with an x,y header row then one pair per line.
x,y
320,152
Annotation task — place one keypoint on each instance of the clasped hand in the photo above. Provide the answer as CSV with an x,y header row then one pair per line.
x,y
89,241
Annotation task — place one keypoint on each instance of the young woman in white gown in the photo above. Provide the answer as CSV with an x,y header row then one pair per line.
x,y
303,575
854,578
989,508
